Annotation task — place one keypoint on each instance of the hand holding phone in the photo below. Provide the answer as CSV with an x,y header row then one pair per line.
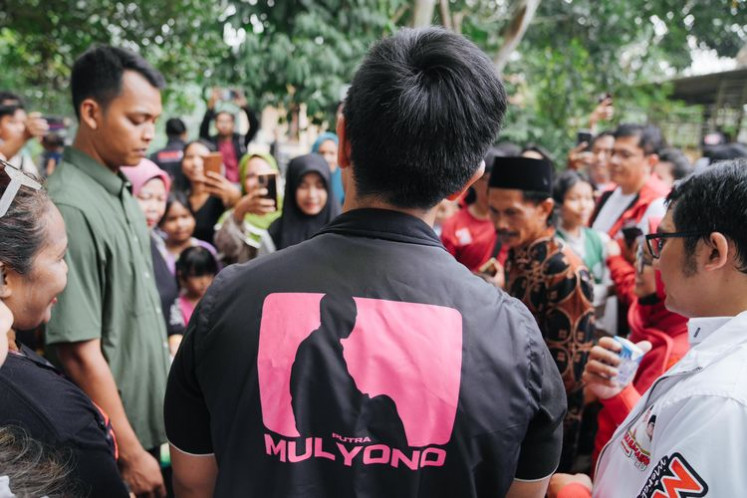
x,y
269,182
213,163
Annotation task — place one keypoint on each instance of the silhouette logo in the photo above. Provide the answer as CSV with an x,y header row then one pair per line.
x,y
331,365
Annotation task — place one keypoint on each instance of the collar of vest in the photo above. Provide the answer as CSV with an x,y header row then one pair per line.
x,y
383,224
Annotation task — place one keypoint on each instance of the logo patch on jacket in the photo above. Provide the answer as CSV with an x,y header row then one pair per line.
x,y
674,477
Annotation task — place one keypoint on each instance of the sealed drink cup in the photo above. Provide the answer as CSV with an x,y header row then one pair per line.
x,y
630,356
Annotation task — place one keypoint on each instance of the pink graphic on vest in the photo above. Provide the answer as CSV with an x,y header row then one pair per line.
x,y
413,354
287,319
407,353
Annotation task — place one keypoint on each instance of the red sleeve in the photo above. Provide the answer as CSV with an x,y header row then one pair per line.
x,y
623,275
619,406
448,237
574,490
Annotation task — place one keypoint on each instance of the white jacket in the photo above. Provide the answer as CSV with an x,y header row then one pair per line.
x,y
687,436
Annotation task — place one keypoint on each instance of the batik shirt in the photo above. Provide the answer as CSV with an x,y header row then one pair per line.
x,y
557,288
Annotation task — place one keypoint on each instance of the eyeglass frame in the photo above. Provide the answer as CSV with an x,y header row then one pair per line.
x,y
18,179
642,260
656,254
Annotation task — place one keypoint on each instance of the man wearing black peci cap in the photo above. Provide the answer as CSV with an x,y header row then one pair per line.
x,y
545,275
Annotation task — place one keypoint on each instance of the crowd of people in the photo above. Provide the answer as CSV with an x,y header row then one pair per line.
x,y
413,308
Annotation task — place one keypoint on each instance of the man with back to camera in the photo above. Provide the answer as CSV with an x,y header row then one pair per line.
x,y
107,329
700,405
472,402
545,275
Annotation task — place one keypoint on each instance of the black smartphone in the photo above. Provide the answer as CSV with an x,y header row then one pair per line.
x,y
583,136
269,182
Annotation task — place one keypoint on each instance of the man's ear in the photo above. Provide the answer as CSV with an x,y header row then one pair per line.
x,y
546,207
476,176
4,287
90,113
343,149
717,251
653,160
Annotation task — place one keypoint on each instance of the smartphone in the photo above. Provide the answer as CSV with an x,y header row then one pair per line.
x,y
213,162
55,123
583,136
229,95
631,234
269,182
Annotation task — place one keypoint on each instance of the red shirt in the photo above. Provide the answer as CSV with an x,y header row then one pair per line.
x,y
470,240
230,161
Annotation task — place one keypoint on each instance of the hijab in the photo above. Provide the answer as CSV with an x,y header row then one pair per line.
x,y
336,176
295,226
145,171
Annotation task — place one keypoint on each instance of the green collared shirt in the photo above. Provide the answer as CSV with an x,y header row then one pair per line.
x,y
111,293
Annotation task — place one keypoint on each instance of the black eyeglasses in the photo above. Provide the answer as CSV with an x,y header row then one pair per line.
x,y
642,259
17,179
655,241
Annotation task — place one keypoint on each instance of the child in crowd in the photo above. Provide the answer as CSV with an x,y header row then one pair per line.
x,y
307,207
178,226
195,271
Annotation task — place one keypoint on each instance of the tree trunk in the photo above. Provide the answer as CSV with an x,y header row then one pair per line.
x,y
514,32
422,12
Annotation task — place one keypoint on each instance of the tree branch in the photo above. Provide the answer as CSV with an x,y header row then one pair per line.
x,y
514,32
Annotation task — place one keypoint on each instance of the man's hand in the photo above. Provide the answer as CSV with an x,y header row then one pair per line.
x,y
602,112
578,157
214,97
253,203
240,99
218,186
142,473
601,368
559,481
36,126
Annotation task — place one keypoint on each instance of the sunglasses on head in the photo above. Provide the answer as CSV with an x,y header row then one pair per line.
x,y
18,179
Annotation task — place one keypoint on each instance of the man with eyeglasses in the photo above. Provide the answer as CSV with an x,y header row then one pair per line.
x,y
700,404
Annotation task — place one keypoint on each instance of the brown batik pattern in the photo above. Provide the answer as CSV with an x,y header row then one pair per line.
x,y
557,288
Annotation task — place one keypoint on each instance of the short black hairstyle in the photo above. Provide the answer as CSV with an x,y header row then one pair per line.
x,y
681,166
650,139
196,261
421,112
97,74
175,127
564,182
602,134
723,152
713,200
230,115
11,99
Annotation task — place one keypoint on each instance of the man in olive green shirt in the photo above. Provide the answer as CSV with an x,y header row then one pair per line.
x,y
106,328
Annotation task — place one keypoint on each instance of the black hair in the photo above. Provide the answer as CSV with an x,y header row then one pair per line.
x,y
681,166
564,182
421,112
601,134
97,74
713,200
175,127
532,147
8,110
11,99
23,227
196,261
176,197
723,152
209,145
233,118
650,139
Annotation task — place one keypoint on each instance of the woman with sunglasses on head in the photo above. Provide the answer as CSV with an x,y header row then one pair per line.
x,y
35,396
650,321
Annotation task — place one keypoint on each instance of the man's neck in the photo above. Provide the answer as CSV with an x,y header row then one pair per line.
x,y
84,144
478,210
12,344
634,189
352,203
